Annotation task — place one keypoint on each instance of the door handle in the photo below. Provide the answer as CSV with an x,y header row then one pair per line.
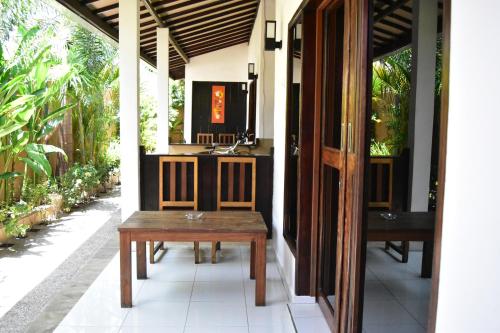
x,y
349,138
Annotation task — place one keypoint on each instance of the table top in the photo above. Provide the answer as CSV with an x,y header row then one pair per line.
x,y
404,221
214,222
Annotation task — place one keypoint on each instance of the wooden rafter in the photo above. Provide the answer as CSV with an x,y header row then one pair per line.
x,y
392,6
161,24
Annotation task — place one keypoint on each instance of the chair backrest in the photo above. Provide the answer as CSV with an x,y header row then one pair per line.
x,y
178,180
227,138
381,186
236,179
205,138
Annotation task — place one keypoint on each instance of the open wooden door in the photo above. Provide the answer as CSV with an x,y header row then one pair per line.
x,y
341,72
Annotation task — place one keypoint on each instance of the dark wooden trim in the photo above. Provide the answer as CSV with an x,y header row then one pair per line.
x,y
443,137
306,135
252,106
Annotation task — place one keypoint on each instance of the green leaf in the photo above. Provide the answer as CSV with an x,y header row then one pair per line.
x,y
33,165
37,155
9,175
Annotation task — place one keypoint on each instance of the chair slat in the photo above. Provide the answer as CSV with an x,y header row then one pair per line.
x,y
230,181
241,195
172,181
380,177
183,181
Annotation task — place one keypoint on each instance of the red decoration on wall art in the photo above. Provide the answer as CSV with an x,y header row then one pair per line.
x,y
218,104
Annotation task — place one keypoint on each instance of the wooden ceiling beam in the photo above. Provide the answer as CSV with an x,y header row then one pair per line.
x,y
227,15
243,27
105,8
391,8
218,26
214,48
161,24
218,37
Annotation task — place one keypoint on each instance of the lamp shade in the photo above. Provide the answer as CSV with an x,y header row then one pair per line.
x,y
270,34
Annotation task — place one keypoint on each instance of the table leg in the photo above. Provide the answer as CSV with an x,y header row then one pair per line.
x,y
125,270
141,260
260,271
252,260
427,254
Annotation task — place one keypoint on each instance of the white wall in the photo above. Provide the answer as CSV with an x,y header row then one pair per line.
x,y
264,67
469,288
284,12
226,65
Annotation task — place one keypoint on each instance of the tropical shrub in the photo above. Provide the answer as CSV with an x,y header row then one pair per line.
x,y
9,219
77,184
36,194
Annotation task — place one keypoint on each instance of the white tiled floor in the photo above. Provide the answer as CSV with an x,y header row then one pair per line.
x,y
179,296
396,298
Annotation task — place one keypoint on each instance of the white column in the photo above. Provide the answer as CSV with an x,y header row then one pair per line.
x,y
129,106
162,64
422,101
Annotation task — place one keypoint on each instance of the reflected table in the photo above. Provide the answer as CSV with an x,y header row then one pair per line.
x,y
407,226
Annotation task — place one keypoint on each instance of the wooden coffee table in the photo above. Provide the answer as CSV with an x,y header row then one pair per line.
x,y
173,226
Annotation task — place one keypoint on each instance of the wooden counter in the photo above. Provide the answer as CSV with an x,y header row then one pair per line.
x,y
207,183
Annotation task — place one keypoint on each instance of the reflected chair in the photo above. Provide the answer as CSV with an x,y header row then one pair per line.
x,y
205,138
382,172
236,184
227,138
178,189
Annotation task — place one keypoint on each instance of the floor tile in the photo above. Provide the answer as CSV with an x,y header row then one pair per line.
x,y
179,272
157,314
369,275
311,325
397,328
149,329
275,292
165,291
91,312
216,329
272,272
409,289
219,272
376,291
305,310
386,312
267,315
217,314
229,291
283,327
86,329
419,309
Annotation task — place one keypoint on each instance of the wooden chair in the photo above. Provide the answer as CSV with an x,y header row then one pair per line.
x,y
174,195
382,169
227,138
205,138
235,189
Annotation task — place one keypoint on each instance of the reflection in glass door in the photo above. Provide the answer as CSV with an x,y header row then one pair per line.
x,y
333,156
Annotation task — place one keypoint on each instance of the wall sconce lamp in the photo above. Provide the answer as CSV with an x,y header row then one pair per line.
x,y
244,87
251,72
270,41
297,37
